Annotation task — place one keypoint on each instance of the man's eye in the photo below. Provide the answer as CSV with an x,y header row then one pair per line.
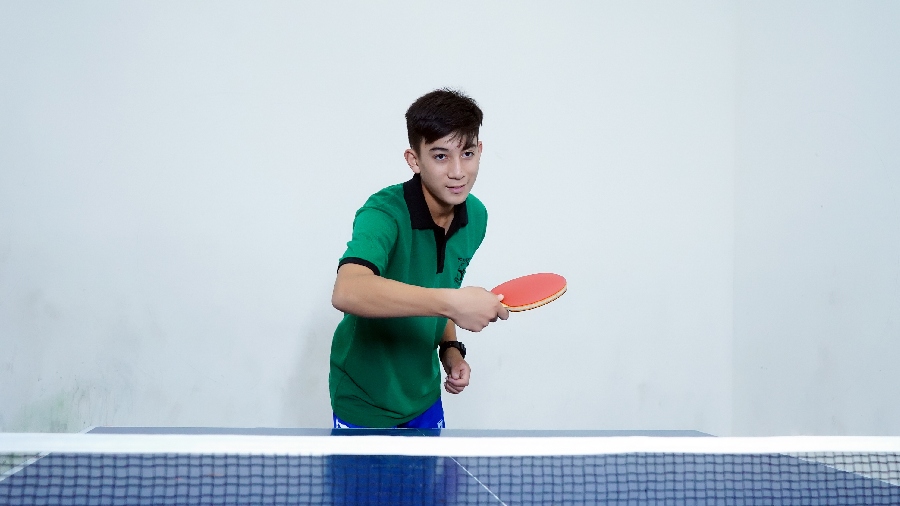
x,y
469,154
440,156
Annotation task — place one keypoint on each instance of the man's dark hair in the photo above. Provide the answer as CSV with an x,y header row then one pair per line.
x,y
441,113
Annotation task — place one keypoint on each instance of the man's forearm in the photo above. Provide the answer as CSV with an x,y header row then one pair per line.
x,y
360,292
450,355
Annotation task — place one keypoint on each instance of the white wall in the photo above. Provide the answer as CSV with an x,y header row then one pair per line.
x,y
817,265
177,182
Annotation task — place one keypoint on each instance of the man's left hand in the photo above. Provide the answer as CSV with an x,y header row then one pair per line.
x,y
457,377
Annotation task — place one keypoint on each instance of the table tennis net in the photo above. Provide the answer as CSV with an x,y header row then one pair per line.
x,y
84,469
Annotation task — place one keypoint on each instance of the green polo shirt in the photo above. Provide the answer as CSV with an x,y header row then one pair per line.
x,y
385,371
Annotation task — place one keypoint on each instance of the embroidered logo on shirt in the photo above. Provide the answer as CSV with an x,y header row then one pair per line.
x,y
461,270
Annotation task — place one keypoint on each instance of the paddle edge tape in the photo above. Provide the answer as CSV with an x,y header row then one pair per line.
x,y
517,309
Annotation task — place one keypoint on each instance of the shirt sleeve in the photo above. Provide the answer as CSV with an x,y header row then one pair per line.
x,y
374,237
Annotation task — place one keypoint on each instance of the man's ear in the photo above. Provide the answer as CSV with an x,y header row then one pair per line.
x,y
412,159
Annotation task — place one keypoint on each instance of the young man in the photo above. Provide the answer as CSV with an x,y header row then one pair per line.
x,y
398,283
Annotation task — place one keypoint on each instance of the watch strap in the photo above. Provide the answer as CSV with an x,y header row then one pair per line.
x,y
453,344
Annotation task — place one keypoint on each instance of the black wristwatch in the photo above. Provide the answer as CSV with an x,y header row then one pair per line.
x,y
453,344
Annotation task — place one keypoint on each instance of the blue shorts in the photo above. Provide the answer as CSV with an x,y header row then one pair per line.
x,y
432,418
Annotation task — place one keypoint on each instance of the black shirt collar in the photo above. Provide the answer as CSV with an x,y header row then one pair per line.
x,y
419,215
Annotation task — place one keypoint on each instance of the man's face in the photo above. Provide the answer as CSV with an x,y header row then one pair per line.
x,y
448,167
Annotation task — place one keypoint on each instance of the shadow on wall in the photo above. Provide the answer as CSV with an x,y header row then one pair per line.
x,y
306,401
69,410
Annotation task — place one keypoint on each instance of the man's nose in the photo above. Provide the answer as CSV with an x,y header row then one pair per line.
x,y
456,169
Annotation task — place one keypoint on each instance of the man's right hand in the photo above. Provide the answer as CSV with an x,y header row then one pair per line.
x,y
474,308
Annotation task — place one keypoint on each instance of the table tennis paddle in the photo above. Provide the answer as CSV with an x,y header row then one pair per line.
x,y
529,292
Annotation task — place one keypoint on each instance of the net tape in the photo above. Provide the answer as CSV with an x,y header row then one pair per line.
x,y
176,469
436,446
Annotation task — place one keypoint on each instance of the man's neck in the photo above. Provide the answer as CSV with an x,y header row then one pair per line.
x,y
441,214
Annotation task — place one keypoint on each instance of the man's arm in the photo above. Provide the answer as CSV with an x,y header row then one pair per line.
x,y
458,370
358,291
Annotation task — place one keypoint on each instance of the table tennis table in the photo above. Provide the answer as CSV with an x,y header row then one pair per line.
x,y
58,478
